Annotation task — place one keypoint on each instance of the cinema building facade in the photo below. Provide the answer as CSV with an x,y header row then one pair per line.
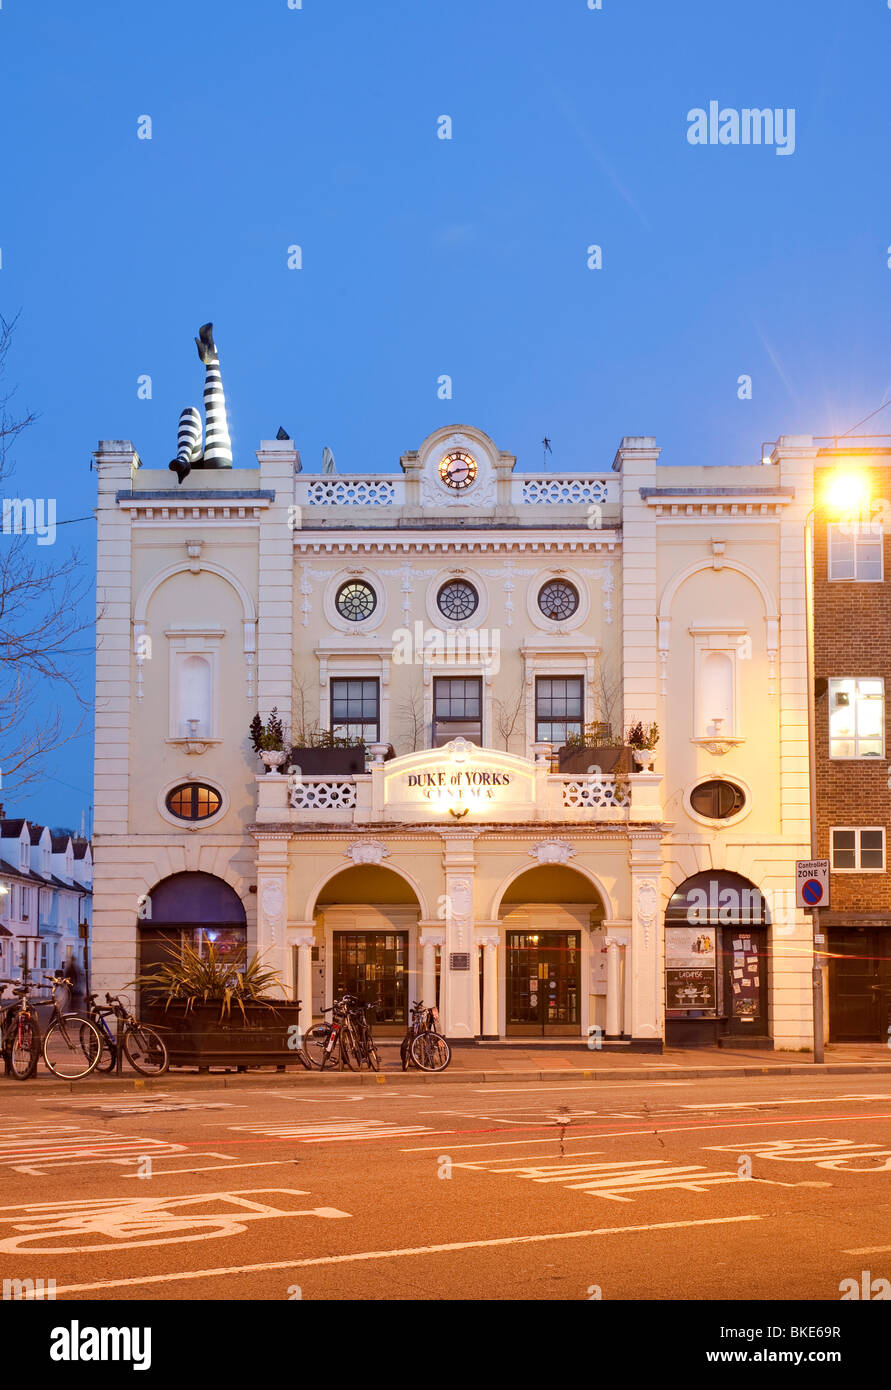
x,y
466,621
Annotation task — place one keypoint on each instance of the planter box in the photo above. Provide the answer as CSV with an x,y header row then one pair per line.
x,y
609,760
200,1038
320,762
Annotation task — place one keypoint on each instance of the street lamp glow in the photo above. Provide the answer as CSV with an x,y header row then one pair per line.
x,y
846,493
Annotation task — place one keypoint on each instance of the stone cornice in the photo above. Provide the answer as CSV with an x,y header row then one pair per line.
x,y
386,542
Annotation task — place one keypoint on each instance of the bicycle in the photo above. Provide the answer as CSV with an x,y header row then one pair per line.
x,y
143,1047
19,1033
72,1045
358,1013
423,1043
339,1040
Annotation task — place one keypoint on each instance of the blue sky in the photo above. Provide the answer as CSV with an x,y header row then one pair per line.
x,y
422,257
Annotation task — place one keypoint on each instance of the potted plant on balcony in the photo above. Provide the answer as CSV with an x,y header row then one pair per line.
x,y
595,747
642,739
215,1011
319,752
270,740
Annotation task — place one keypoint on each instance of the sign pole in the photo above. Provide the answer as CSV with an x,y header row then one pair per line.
x,y
818,987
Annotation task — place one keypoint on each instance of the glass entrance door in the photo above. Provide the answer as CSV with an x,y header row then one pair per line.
x,y
374,966
544,983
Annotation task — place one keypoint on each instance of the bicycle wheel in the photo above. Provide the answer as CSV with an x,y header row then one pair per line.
x,y
23,1048
404,1053
373,1057
315,1042
145,1050
349,1049
430,1052
107,1052
68,1050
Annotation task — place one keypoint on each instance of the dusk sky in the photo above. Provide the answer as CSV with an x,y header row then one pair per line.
x,y
423,256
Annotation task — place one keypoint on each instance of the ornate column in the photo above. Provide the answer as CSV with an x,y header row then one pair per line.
x,y
304,941
613,987
489,1020
647,986
429,942
459,978
272,899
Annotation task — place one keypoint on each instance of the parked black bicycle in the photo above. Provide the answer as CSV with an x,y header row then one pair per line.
x,y
424,1044
72,1044
19,1031
143,1047
345,1040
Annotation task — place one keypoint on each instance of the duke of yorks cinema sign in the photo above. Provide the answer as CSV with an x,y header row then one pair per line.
x,y
457,780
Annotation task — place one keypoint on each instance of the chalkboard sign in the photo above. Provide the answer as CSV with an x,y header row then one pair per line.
x,y
691,988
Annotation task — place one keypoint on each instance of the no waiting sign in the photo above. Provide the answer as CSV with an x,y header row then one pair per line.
x,y
812,883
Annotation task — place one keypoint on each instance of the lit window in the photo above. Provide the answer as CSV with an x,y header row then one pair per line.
x,y
855,551
355,601
193,801
856,718
858,849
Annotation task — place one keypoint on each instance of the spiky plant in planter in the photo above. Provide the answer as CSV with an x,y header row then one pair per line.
x,y
190,977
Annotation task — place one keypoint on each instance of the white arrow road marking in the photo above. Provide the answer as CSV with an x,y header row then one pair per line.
x,y
145,1279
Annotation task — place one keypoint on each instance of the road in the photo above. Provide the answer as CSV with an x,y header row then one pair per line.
x,y
738,1188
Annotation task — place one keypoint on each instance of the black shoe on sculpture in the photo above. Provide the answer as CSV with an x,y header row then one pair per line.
x,y
207,348
182,470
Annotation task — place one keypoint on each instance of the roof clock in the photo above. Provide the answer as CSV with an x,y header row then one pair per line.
x,y
458,470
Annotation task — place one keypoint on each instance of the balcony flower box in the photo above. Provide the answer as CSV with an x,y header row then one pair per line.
x,y
573,759
331,762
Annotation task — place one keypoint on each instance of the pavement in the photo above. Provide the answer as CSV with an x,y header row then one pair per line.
x,y
769,1186
504,1062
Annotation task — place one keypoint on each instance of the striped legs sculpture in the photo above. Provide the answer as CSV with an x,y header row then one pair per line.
x,y
217,450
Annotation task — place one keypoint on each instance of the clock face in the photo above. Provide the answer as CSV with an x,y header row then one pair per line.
x,y
458,470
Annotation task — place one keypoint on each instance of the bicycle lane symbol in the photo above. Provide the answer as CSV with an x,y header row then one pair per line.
x,y
126,1223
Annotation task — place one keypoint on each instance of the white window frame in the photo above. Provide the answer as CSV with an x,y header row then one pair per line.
x,y
855,737
357,660
555,657
859,532
858,831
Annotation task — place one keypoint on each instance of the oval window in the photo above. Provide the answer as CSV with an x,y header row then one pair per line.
x,y
457,600
355,600
717,799
558,599
193,801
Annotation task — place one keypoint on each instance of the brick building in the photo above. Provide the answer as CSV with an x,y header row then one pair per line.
x,y
852,669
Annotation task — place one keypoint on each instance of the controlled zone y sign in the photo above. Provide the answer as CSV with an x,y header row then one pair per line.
x,y
812,883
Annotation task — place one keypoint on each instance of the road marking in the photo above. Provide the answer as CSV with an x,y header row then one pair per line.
x,y
592,1132
583,1086
37,1149
824,1153
750,1105
399,1254
213,1168
614,1181
165,1220
869,1250
326,1131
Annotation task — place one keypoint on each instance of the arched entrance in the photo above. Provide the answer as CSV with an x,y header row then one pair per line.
x,y
552,917
191,907
716,962
367,944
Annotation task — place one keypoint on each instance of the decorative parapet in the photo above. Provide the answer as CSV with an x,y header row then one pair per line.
x,y
370,490
563,489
